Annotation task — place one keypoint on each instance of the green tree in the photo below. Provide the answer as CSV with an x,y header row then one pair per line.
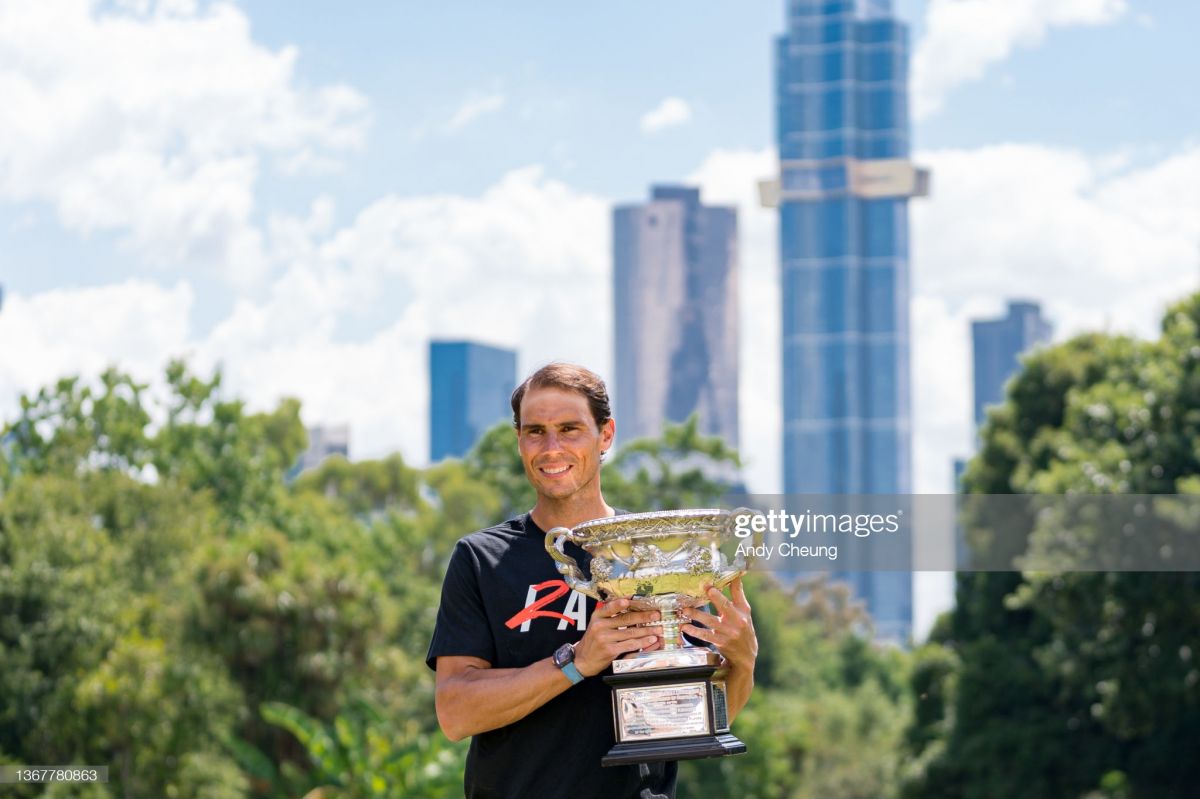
x,y
365,488
362,754
172,606
92,666
114,537
682,469
72,428
1079,681
495,461
211,445
828,712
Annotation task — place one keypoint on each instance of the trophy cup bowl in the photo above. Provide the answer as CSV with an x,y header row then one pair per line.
x,y
668,704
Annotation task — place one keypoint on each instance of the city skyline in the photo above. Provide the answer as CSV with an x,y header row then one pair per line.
x,y
306,196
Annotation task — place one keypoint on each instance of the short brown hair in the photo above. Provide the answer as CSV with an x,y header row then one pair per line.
x,y
566,377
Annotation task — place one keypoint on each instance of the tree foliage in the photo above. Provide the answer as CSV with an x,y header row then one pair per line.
x,y
1074,683
177,604
828,709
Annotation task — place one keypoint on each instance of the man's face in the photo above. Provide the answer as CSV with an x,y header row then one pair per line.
x,y
559,442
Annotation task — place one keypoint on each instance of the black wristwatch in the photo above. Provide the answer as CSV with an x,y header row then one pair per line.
x,y
564,658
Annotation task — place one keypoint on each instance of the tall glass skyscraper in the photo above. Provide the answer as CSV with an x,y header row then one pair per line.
x,y
676,314
843,189
469,389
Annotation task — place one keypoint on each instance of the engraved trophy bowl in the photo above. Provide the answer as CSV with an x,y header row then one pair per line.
x,y
668,704
661,560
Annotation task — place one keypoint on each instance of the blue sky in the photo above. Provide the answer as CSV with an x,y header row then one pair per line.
x,y
574,84
306,192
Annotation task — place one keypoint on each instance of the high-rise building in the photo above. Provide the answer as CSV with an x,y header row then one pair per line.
x,y
675,313
324,441
998,345
469,389
842,192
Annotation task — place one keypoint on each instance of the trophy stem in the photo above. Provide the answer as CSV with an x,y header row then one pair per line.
x,y
672,638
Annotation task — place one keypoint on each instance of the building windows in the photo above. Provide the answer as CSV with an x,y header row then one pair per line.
x,y
821,229
885,224
880,108
877,64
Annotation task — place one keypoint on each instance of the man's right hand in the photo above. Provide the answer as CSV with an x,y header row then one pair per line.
x,y
611,633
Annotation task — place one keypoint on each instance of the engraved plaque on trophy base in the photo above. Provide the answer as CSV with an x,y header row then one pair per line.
x,y
670,714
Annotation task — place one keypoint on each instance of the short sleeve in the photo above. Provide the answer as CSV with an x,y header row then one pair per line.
x,y
462,627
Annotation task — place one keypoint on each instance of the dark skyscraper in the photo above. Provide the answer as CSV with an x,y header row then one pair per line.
x,y
675,312
469,389
843,190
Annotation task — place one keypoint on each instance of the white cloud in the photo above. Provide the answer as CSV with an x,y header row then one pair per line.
x,y
1100,249
151,120
1103,244
941,384
963,38
475,106
135,325
525,264
671,112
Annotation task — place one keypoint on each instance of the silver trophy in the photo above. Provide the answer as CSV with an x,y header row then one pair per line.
x,y
668,704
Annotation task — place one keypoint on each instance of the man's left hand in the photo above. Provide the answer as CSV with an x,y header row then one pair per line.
x,y
731,630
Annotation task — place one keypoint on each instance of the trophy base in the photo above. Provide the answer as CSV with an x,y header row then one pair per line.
x,y
675,713
674,749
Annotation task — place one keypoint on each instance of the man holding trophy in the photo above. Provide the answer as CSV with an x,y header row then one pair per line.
x,y
519,653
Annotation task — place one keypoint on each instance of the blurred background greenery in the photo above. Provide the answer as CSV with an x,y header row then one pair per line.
x,y
173,607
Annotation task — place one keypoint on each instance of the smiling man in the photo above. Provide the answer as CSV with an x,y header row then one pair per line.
x,y
518,654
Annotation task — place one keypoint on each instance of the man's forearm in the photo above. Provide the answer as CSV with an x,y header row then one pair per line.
x,y
472,697
480,699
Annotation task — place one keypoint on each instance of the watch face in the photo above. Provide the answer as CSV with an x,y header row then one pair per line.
x,y
564,655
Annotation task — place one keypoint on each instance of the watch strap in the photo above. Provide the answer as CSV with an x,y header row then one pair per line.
x,y
572,672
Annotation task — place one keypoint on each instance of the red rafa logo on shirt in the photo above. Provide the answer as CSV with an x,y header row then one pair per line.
x,y
574,613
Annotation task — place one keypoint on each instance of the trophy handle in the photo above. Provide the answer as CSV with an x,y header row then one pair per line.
x,y
741,563
731,520
566,564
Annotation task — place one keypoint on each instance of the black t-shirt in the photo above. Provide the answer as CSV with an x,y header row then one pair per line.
x,y
504,601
